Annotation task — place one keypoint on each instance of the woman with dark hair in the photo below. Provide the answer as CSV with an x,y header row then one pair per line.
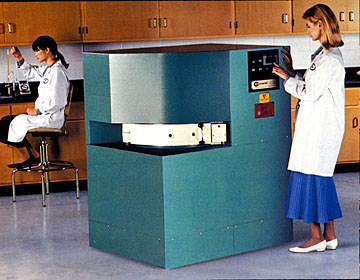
x,y
48,111
319,129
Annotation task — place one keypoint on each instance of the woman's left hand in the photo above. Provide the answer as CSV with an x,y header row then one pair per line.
x,y
31,112
283,74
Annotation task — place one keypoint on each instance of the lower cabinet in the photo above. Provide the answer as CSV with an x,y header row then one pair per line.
x,y
6,154
70,147
349,152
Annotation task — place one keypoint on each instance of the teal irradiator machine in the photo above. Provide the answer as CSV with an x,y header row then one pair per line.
x,y
187,152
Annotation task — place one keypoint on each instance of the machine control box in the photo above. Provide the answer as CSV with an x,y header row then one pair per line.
x,y
260,64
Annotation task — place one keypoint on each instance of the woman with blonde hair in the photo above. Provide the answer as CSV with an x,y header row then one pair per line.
x,y
319,129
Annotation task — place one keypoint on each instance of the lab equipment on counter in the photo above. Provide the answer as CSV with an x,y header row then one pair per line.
x,y
187,151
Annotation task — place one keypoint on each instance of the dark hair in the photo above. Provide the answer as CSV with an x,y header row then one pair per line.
x,y
331,36
43,42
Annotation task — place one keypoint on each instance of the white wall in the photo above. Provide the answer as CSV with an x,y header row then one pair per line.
x,y
71,52
301,45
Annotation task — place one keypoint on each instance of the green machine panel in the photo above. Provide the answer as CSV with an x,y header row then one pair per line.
x,y
174,206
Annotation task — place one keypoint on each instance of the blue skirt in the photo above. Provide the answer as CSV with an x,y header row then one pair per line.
x,y
312,198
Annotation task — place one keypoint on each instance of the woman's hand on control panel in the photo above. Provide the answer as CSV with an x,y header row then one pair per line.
x,y
283,74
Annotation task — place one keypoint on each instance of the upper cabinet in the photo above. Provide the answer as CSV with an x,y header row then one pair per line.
x,y
106,21
24,21
132,20
346,11
263,17
2,27
196,18
119,20
353,9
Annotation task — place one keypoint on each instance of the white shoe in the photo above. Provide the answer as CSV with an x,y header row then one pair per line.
x,y
320,247
332,244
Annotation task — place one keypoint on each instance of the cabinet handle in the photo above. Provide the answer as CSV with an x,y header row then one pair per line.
x,y
342,16
83,30
351,16
236,24
11,27
2,28
285,18
355,122
155,22
165,22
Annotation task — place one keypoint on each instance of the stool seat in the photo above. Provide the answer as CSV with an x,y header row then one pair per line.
x,y
45,130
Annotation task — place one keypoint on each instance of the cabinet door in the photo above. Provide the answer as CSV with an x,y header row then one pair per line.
x,y
349,152
196,18
120,20
25,21
353,16
263,17
5,153
70,147
2,27
339,7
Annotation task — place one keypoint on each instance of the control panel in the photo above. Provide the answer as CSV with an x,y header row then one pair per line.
x,y
260,64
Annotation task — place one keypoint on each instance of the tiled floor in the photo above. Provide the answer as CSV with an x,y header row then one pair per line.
x,y
52,243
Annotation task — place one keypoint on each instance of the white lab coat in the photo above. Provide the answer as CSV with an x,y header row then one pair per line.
x,y
52,99
320,120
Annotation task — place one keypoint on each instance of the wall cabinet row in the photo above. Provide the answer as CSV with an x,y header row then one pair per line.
x,y
70,147
183,19
350,147
99,21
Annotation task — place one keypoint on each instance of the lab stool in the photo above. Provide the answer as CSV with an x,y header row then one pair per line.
x,y
46,166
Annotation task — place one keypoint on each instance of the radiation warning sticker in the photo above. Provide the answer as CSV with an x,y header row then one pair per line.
x,y
264,97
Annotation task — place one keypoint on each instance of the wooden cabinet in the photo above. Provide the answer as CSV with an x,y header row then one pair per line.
x,y
294,101
119,20
23,22
132,20
263,17
70,147
2,27
350,148
5,152
346,11
141,20
353,14
196,18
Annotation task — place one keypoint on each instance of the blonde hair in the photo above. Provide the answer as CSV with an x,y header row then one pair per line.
x,y
330,35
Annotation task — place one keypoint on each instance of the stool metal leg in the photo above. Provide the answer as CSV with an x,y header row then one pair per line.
x,y
77,183
13,185
47,182
43,189
44,162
